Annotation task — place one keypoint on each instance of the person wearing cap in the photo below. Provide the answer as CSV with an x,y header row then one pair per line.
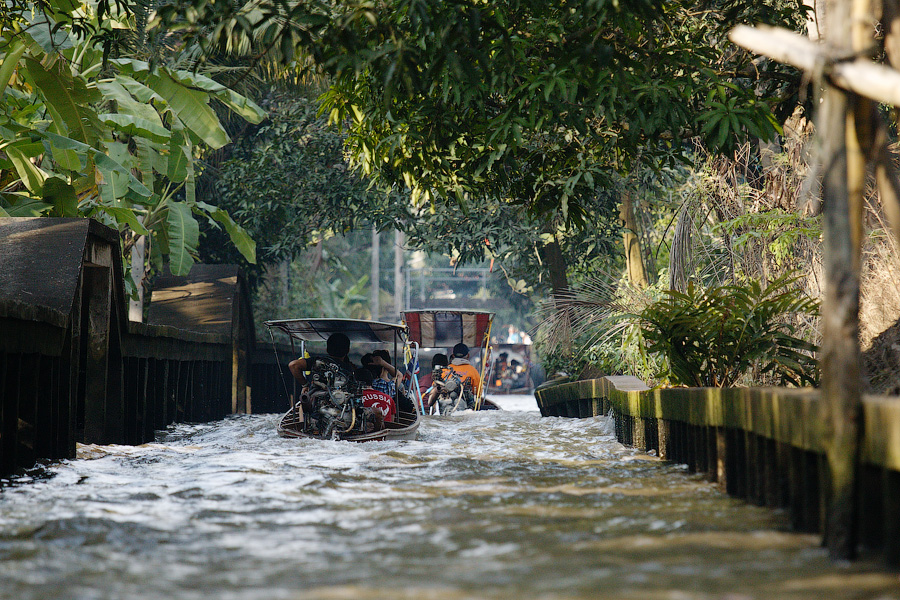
x,y
459,362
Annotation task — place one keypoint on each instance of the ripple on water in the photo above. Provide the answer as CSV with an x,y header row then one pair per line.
x,y
504,505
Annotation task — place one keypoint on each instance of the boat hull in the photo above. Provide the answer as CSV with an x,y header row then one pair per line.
x,y
404,428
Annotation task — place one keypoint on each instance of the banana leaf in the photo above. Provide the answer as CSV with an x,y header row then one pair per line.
x,y
184,234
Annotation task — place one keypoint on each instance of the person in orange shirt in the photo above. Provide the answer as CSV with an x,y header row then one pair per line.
x,y
469,375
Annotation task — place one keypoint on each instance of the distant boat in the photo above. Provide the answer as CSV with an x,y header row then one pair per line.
x,y
337,406
512,369
444,328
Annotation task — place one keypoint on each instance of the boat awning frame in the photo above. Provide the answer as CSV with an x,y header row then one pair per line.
x,y
444,328
359,331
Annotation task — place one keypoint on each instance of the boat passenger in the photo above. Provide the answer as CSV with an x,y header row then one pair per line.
x,y
438,363
385,373
469,375
337,347
383,406
426,381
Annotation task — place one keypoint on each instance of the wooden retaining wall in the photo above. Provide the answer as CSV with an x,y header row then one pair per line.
x,y
763,445
74,369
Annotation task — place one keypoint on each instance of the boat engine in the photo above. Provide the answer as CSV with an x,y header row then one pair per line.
x,y
451,394
333,404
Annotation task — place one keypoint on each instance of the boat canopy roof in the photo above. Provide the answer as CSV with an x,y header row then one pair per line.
x,y
443,328
318,330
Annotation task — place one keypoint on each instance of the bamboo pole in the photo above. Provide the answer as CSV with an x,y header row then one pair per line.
x,y
860,75
885,173
843,188
852,135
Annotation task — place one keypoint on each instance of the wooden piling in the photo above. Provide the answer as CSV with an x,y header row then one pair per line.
x,y
891,517
662,433
9,413
28,391
722,457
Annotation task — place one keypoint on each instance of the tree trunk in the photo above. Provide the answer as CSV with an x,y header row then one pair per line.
x,y
680,255
555,262
399,294
136,307
634,259
375,287
815,24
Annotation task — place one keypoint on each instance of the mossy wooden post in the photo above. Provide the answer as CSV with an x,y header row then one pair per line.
x,y
662,434
721,458
843,186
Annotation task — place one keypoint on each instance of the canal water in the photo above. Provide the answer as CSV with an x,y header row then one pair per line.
x,y
491,505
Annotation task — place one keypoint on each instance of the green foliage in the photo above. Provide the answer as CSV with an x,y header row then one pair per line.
x,y
513,237
777,229
556,363
328,280
530,101
116,140
288,185
727,118
711,337
596,323
626,353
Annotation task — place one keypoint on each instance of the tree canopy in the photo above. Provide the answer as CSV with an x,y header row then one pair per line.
x,y
531,101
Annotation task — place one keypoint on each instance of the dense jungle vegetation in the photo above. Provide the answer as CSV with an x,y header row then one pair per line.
x,y
647,190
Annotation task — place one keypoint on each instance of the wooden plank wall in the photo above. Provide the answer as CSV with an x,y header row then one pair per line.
x,y
763,445
154,377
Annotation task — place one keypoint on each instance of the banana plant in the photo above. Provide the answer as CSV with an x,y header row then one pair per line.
x,y
122,147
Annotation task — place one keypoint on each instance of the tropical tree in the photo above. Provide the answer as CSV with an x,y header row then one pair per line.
x,y
531,103
113,139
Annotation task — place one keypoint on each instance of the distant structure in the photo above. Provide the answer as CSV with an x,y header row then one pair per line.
x,y
211,299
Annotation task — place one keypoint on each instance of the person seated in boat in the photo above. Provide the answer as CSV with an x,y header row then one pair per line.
x,y
469,375
383,406
388,378
500,367
426,381
337,347
439,362
383,371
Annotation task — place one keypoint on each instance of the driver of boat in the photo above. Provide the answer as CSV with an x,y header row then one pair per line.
x,y
438,363
337,347
459,362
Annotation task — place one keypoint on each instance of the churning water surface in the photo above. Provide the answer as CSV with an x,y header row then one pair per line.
x,y
492,505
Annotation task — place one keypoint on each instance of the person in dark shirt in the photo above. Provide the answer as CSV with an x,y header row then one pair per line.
x,y
426,381
337,347
470,376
